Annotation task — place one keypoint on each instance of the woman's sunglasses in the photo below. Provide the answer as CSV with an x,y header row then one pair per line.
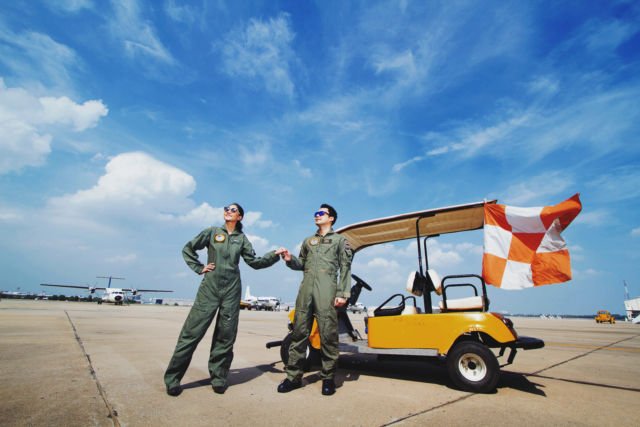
x,y
230,209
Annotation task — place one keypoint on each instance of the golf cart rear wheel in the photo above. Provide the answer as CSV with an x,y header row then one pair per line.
x,y
473,367
312,355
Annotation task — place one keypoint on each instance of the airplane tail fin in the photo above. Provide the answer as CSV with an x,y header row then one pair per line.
x,y
247,294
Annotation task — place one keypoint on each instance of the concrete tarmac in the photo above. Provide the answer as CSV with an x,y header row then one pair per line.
x,y
81,364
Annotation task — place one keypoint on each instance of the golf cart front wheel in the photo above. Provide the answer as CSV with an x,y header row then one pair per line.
x,y
473,367
312,355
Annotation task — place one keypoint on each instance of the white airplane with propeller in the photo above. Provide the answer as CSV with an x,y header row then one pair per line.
x,y
117,296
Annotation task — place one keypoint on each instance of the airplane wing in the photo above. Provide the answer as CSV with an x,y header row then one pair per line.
x,y
72,286
144,290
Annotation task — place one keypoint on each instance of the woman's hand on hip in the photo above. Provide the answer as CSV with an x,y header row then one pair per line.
x,y
207,268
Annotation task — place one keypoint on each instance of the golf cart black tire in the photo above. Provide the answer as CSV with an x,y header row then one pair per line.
x,y
313,355
478,358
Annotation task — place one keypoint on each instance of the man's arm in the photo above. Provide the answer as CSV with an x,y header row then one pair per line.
x,y
345,255
297,263
189,252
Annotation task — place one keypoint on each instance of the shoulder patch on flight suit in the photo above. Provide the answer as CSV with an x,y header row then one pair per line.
x,y
347,246
313,241
219,238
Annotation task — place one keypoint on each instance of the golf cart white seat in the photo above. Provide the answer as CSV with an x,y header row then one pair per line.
x,y
462,304
414,286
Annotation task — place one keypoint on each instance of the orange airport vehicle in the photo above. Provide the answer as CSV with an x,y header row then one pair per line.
x,y
461,332
603,316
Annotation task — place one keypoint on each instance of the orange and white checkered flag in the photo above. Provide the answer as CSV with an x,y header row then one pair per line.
x,y
523,247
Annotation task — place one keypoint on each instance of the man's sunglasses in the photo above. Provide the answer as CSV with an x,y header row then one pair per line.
x,y
230,209
320,213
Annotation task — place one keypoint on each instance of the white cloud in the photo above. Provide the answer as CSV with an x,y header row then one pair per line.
x,y
618,184
28,124
589,272
604,37
593,218
399,166
470,140
134,184
253,219
600,123
180,13
137,35
383,263
70,6
635,232
304,172
10,215
201,215
442,259
260,244
38,57
542,188
64,111
122,259
139,189
544,84
255,156
402,64
262,52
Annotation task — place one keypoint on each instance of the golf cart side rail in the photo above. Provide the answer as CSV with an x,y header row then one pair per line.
x,y
445,220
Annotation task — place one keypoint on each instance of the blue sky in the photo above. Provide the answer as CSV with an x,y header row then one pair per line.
x,y
126,126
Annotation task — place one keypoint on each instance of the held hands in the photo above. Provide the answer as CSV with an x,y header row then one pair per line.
x,y
284,253
207,268
339,302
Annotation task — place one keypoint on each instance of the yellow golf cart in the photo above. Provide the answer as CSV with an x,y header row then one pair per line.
x,y
459,331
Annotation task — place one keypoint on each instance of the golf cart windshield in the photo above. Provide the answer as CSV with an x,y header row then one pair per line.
x,y
418,225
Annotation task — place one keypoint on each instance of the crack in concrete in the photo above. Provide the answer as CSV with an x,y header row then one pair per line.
x,y
113,414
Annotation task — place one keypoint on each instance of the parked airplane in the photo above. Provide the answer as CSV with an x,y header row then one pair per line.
x,y
117,296
260,303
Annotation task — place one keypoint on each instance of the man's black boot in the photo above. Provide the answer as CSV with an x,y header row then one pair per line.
x,y
219,389
328,387
174,391
286,386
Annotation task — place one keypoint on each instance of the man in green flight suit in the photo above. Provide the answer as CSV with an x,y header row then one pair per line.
x,y
219,291
320,293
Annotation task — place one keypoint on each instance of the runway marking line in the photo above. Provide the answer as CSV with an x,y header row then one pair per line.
x,y
585,354
594,347
113,414
406,417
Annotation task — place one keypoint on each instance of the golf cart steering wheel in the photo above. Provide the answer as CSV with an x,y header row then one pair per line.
x,y
361,282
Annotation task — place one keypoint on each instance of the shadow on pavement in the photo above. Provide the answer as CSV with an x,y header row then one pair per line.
x,y
237,376
520,382
427,370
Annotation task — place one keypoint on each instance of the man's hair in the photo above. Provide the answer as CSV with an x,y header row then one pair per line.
x,y
332,212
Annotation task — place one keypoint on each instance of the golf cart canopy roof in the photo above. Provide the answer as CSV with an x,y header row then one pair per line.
x,y
400,227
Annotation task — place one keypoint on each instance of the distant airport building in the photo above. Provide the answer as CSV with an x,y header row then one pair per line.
x,y
171,301
632,307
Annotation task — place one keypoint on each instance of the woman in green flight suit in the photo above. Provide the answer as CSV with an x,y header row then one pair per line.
x,y
219,292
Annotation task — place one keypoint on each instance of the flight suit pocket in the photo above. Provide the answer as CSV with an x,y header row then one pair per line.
x,y
235,247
